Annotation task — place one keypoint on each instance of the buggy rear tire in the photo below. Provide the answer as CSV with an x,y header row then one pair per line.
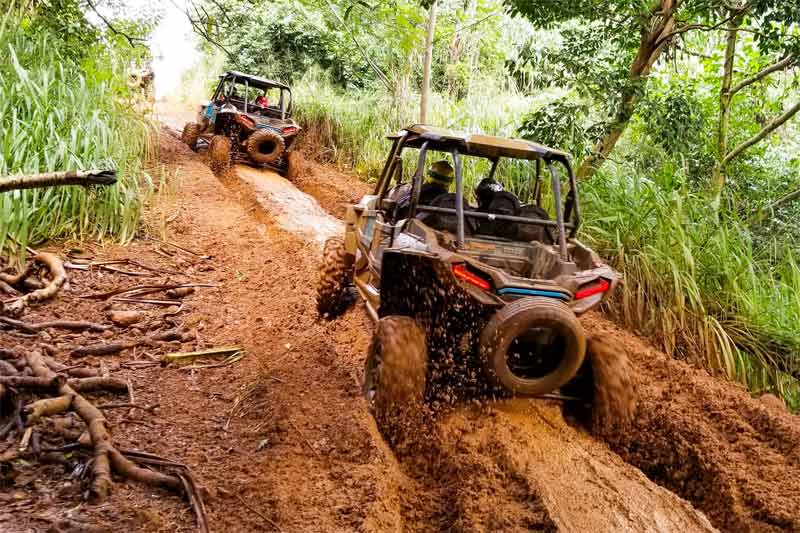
x,y
265,146
395,375
191,134
219,153
512,323
334,277
613,390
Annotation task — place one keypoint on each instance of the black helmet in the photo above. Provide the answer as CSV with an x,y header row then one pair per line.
x,y
486,189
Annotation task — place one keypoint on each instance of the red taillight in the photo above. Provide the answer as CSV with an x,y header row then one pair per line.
x,y
462,272
288,130
595,287
247,122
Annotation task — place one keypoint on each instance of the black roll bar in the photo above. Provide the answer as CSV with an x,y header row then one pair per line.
x,y
556,185
460,234
491,216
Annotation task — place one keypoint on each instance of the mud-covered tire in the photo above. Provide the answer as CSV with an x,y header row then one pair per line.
x,y
191,134
265,146
395,375
613,387
219,153
334,278
513,321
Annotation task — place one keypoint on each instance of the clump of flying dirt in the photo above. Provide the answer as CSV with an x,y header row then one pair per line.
x,y
734,457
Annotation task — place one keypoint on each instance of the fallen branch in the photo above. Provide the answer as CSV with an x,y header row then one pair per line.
x,y
57,179
71,325
141,290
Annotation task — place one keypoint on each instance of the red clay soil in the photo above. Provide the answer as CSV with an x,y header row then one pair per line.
x,y
734,457
282,440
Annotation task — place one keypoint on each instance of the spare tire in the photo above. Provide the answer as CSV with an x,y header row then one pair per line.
x,y
532,346
265,146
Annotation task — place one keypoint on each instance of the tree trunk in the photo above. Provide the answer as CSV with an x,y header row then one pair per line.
x,y
659,26
725,98
426,73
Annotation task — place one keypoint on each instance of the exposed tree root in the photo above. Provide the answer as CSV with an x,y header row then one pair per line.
x,y
48,407
105,457
71,325
109,348
58,277
95,384
37,383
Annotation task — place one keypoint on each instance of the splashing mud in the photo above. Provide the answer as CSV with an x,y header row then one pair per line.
x,y
734,457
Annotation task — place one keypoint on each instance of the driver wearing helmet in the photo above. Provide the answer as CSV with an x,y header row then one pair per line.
x,y
485,192
437,181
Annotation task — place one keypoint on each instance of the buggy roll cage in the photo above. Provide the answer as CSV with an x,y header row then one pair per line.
x,y
427,139
248,81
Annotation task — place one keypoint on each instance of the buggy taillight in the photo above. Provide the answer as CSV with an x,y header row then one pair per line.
x,y
462,272
245,121
597,286
289,130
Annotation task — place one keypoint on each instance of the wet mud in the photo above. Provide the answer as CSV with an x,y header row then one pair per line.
x,y
287,431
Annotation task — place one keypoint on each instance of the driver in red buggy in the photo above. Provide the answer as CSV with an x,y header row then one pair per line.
x,y
261,101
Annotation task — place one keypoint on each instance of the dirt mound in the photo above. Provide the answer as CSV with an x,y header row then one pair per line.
x,y
332,189
734,457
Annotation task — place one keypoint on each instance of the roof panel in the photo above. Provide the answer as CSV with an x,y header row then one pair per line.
x,y
257,79
482,145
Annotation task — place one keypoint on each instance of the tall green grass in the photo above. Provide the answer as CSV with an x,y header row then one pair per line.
x,y
694,282
58,115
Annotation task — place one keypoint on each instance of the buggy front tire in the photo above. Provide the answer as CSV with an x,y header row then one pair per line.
x,y
395,375
265,146
334,277
504,351
191,134
219,153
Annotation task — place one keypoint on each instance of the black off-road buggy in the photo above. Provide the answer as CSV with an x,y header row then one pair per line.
x,y
248,119
491,292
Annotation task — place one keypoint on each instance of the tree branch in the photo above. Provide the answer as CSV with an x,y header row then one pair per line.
x,y
783,64
132,41
375,68
774,124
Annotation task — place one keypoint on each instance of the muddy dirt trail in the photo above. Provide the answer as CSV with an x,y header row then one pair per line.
x,y
282,439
